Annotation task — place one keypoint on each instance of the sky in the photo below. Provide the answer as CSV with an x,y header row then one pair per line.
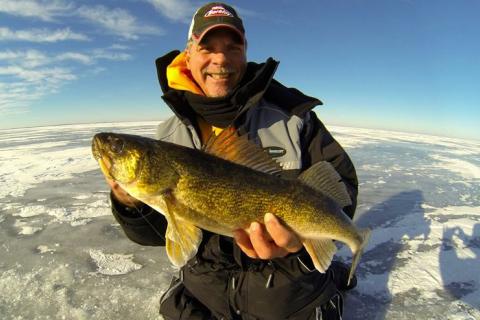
x,y
400,65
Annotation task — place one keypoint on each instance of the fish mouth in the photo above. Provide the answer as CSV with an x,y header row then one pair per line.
x,y
105,148
104,161
105,166
96,147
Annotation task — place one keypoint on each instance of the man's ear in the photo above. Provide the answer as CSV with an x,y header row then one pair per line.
x,y
187,56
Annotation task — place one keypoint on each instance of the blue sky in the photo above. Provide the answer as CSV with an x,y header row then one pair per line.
x,y
391,64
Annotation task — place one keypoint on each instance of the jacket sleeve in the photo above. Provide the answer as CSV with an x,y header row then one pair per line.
x,y
144,226
319,145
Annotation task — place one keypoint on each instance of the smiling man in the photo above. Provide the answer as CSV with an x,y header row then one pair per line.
x,y
217,62
264,272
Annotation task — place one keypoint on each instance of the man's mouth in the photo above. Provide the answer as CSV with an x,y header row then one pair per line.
x,y
219,76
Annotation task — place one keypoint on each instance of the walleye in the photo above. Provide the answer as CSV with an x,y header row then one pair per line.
x,y
226,186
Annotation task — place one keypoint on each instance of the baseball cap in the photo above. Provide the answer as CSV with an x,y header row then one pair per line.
x,y
213,15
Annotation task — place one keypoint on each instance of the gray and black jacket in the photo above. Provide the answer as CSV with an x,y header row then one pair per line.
x,y
221,281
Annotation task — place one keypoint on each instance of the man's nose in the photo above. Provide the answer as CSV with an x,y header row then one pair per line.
x,y
219,57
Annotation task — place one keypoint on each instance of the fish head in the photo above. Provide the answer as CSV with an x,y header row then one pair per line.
x,y
120,156
138,164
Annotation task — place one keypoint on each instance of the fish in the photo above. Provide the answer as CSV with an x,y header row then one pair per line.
x,y
225,186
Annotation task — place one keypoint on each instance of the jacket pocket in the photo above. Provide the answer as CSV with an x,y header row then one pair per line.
x,y
177,303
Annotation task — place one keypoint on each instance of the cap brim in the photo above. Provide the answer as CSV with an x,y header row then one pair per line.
x,y
220,25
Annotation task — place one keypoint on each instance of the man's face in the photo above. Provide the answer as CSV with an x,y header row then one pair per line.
x,y
218,62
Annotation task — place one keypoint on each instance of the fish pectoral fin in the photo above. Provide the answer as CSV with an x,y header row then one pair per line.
x,y
323,177
365,235
182,245
182,237
156,203
321,252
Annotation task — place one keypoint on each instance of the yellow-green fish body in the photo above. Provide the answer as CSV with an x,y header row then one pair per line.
x,y
226,187
235,196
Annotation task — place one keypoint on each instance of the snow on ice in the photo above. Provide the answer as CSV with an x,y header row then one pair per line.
x,y
63,256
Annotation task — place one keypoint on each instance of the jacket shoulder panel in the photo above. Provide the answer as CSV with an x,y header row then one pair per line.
x,y
175,131
277,131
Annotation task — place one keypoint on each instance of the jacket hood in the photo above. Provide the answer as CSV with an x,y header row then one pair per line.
x,y
179,77
256,84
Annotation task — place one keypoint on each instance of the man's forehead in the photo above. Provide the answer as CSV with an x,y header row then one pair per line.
x,y
222,31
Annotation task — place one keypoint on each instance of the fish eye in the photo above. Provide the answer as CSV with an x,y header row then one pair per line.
x,y
116,144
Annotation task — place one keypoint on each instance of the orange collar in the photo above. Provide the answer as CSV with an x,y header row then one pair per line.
x,y
179,77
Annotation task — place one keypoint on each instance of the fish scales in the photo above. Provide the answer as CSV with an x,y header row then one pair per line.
x,y
196,189
234,196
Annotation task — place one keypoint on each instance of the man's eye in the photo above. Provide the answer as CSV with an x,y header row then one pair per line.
x,y
204,49
236,48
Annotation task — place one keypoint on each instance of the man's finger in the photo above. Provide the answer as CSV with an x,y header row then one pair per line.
x,y
262,243
243,241
111,182
283,236
121,195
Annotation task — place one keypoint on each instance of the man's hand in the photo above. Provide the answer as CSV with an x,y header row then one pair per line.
x,y
123,196
267,241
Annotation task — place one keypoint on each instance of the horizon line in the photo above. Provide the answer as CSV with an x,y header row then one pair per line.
x,y
157,120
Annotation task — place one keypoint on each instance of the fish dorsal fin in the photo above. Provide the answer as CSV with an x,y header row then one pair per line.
x,y
182,237
323,177
228,145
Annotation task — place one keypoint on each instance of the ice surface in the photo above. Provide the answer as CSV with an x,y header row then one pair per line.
x,y
64,257
465,169
113,264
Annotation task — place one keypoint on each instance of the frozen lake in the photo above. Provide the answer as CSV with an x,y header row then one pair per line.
x,y
63,256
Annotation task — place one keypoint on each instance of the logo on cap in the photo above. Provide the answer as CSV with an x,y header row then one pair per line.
x,y
217,11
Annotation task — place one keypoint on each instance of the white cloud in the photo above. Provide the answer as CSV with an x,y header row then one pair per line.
x,y
97,70
116,21
27,59
119,47
32,59
242,12
17,96
40,35
29,85
45,10
111,55
182,10
8,55
176,10
53,75
10,91
29,75
75,56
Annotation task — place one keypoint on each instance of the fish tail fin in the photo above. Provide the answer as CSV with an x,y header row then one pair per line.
x,y
321,252
365,235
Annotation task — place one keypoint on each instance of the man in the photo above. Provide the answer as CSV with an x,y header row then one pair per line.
x,y
265,273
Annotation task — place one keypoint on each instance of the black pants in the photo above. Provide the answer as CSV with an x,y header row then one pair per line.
x,y
177,303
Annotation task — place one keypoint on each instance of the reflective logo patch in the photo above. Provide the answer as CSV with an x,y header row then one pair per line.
x,y
275,152
218,11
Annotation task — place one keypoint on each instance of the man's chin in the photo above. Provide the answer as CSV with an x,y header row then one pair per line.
x,y
218,93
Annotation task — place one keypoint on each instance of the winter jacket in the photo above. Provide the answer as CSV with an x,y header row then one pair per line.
x,y
221,282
